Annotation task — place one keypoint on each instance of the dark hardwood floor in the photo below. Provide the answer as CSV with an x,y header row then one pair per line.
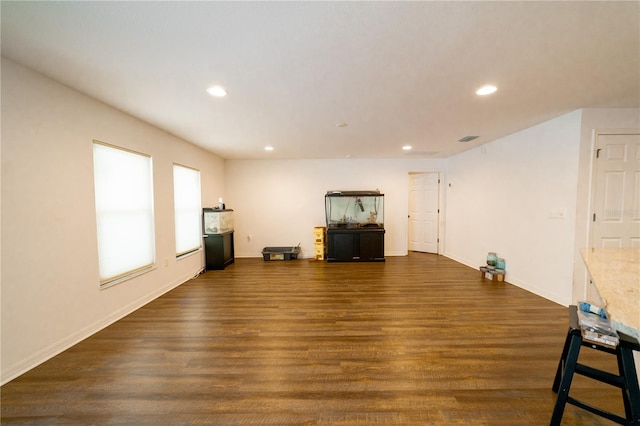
x,y
416,340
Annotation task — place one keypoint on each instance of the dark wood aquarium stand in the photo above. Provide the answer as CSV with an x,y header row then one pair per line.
x,y
355,245
219,251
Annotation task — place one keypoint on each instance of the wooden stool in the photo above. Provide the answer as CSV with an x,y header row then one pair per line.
x,y
568,365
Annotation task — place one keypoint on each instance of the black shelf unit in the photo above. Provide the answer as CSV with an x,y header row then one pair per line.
x,y
218,249
355,245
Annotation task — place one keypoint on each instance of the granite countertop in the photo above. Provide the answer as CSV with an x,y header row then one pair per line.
x,y
615,272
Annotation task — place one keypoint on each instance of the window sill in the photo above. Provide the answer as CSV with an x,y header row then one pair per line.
x,y
128,277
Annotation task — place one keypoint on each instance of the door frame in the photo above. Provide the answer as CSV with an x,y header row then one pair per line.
x,y
441,206
582,288
592,173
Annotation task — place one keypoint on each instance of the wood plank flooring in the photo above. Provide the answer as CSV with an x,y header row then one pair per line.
x,y
416,340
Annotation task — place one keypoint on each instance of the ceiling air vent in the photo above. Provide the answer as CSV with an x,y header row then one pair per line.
x,y
468,138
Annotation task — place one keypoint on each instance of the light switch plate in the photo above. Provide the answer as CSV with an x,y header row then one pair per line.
x,y
558,213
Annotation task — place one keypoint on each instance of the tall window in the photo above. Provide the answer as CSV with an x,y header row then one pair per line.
x,y
187,205
124,211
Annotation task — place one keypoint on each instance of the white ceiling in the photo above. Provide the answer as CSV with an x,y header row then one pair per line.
x,y
397,72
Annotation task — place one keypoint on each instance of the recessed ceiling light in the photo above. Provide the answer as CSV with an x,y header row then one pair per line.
x,y
407,147
341,124
268,148
217,91
486,90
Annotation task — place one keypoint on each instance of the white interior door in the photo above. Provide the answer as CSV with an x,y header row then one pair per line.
x,y
424,212
616,196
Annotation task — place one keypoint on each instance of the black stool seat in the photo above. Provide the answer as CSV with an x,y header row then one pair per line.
x,y
626,380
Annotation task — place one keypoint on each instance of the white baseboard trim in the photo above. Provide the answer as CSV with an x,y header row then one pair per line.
x,y
50,351
253,256
518,283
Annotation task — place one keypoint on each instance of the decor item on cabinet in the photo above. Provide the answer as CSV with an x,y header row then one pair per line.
x,y
217,227
355,226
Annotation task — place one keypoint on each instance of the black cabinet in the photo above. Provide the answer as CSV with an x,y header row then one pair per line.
x,y
218,250
355,245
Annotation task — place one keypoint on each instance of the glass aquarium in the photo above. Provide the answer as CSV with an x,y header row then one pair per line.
x,y
354,209
216,221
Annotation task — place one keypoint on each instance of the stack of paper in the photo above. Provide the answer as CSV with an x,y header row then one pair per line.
x,y
597,329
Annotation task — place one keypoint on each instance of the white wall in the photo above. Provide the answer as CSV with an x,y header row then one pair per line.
x,y
278,203
594,120
500,196
50,286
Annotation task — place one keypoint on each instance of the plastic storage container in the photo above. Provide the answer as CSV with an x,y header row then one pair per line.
x,y
280,253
